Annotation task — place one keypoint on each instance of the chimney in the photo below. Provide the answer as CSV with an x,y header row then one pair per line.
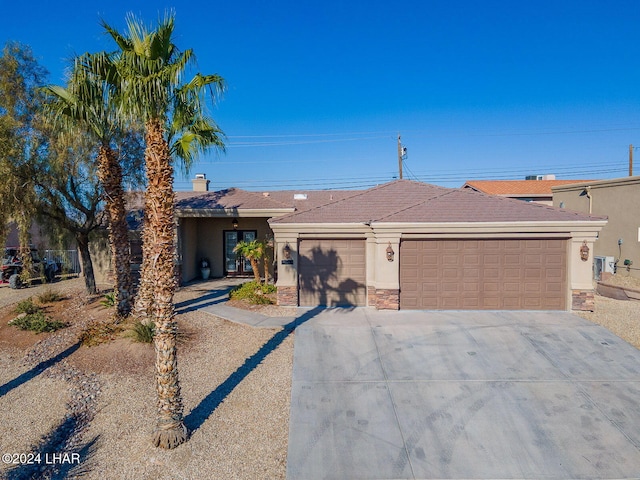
x,y
200,183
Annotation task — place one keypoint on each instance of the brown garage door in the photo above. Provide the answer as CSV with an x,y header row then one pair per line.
x,y
483,274
332,272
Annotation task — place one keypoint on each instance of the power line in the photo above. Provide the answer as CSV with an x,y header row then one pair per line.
x,y
376,135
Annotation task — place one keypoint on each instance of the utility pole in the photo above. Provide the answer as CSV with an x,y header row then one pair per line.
x,y
399,158
631,160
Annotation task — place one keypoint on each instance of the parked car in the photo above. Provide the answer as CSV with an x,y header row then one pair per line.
x,y
12,267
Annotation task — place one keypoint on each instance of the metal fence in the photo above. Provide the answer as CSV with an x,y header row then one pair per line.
x,y
67,259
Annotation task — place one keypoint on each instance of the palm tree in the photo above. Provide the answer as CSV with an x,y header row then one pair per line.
x,y
88,103
252,251
149,70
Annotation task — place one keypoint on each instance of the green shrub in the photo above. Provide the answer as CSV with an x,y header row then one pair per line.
x,y
37,322
50,296
141,332
109,300
27,306
253,293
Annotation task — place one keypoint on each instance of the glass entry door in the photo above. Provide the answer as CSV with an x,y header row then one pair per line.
x,y
235,264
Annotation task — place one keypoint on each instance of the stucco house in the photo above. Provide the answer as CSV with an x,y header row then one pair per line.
x,y
210,224
619,199
403,244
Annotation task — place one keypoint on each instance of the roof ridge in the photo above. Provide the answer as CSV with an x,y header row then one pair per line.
x,y
332,202
420,202
532,204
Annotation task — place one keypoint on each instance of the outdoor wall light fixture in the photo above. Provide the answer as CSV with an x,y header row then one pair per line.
x,y
235,224
390,253
584,252
286,251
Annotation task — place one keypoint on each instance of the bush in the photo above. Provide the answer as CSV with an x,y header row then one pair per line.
x,y
253,293
37,322
50,296
109,300
141,332
27,306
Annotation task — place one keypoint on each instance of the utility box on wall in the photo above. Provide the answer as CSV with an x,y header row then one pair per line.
x,y
602,264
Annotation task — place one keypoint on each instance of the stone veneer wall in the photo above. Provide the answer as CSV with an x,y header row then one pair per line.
x,y
583,300
288,296
387,299
371,296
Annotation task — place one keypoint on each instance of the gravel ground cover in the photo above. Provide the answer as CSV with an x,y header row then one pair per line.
x,y
99,401
618,316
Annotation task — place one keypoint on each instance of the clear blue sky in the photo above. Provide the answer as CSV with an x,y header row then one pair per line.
x,y
319,90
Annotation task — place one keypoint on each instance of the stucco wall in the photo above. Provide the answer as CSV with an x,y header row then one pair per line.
x,y
383,276
204,238
188,248
619,199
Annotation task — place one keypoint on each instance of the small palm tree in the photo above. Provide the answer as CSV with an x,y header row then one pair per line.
x,y
149,71
252,251
88,103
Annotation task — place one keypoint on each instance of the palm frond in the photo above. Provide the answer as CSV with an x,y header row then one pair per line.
x,y
123,42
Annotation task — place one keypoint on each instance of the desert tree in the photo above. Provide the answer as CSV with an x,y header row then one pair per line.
x,y
20,103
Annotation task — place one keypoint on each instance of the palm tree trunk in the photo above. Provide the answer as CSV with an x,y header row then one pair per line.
x,y
256,269
82,239
170,430
110,175
265,261
144,297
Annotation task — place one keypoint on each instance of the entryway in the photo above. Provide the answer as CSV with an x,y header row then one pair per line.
x,y
235,264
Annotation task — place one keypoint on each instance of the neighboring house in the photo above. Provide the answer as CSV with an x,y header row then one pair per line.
x,y
38,236
539,191
619,199
403,244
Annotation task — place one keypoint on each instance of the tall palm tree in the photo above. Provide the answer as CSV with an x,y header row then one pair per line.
x,y
88,103
150,70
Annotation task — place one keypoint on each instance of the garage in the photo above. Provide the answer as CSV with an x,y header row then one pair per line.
x,y
483,274
332,272
436,248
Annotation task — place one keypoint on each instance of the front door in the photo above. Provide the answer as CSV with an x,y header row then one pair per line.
x,y
235,264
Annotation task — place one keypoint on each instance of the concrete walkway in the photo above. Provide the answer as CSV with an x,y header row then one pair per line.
x,y
404,395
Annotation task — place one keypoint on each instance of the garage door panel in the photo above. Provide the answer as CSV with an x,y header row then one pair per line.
x,y
488,260
530,273
510,287
484,274
332,272
512,259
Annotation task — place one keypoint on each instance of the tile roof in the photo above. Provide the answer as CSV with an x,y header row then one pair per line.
x,y
406,201
465,205
242,199
231,198
517,187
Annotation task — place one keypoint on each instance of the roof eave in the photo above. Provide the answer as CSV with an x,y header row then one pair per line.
x,y
232,212
614,182
497,227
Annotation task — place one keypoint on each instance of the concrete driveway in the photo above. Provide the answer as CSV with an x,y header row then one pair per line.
x,y
403,395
